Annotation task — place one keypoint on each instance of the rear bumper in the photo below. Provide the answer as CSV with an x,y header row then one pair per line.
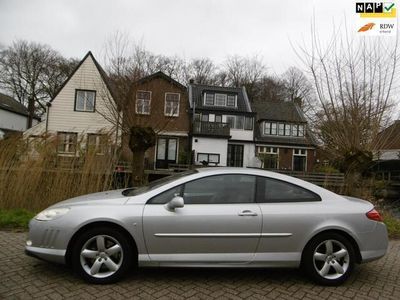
x,y
375,244
52,255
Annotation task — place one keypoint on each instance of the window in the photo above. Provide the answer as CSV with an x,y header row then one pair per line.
x,y
270,128
218,118
231,121
269,157
288,129
172,104
66,142
299,160
85,100
208,158
143,99
166,196
204,118
239,122
272,190
301,130
281,129
295,130
220,100
231,100
97,143
248,123
220,189
209,99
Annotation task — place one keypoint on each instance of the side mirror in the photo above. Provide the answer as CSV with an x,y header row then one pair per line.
x,y
176,202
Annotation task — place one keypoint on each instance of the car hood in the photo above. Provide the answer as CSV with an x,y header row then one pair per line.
x,y
104,198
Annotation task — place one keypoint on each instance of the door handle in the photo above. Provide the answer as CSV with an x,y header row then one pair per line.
x,y
247,213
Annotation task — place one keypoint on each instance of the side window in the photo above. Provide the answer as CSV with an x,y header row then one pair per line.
x,y
166,196
220,189
272,190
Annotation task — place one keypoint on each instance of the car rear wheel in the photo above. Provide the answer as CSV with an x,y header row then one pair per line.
x,y
102,255
329,259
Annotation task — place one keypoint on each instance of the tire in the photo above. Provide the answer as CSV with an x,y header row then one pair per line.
x,y
102,255
329,259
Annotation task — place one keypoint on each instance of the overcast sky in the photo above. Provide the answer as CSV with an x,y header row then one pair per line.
x,y
188,28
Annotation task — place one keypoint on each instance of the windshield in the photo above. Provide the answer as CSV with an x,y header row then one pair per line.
x,y
156,183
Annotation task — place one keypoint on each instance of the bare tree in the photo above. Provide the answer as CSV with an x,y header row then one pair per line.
x,y
354,81
201,70
32,73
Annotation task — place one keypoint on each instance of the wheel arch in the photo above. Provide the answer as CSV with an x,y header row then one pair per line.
x,y
68,255
337,231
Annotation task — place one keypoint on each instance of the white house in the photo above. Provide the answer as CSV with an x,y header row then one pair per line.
x,y
80,111
223,126
13,116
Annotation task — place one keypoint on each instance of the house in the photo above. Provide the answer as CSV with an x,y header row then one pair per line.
x,y
222,126
13,116
160,102
387,143
282,139
79,114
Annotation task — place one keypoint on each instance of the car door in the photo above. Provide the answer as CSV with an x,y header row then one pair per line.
x,y
290,213
219,222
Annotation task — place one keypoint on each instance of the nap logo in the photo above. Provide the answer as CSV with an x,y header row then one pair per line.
x,y
376,9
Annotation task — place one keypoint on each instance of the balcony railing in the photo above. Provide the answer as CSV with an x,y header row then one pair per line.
x,y
211,128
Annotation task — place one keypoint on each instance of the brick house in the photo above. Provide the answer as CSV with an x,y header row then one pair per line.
x,y
160,102
282,140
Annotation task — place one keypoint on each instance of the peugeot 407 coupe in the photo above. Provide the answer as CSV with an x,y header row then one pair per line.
x,y
211,217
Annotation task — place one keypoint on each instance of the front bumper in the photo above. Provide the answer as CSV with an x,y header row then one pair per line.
x,y
51,255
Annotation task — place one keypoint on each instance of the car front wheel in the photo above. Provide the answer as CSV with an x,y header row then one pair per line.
x,y
329,259
102,255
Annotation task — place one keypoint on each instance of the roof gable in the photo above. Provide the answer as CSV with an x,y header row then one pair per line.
x,y
161,75
101,71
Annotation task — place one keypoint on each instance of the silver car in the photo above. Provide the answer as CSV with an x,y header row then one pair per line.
x,y
211,217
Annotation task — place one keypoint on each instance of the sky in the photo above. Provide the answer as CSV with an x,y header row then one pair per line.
x,y
187,28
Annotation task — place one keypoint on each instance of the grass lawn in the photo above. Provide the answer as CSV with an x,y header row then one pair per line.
x,y
15,218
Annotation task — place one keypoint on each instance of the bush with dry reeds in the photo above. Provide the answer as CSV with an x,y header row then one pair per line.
x,y
33,175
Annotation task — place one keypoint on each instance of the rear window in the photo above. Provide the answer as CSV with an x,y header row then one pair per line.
x,y
273,190
156,183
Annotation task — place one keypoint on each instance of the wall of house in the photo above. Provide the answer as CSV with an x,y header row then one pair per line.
x,y
243,135
285,158
210,145
311,156
62,116
12,121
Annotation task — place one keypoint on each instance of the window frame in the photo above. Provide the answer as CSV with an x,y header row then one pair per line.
x,y
75,143
99,147
234,100
84,104
225,99
205,99
260,190
136,102
175,114
208,157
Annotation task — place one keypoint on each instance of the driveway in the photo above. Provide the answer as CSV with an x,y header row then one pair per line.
x,y
22,277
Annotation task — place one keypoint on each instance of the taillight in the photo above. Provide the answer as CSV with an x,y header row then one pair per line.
x,y
374,215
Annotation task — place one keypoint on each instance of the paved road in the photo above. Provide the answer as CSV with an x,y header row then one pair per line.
x,y
22,277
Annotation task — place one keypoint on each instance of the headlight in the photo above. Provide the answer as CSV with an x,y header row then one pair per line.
x,y
51,214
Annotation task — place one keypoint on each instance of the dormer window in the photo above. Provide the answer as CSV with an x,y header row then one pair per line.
x,y
221,100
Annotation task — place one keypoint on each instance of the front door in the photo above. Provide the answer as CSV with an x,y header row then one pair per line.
x,y
219,223
235,156
166,152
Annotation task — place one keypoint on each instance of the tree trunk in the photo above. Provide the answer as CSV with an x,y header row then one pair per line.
x,y
138,176
31,112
